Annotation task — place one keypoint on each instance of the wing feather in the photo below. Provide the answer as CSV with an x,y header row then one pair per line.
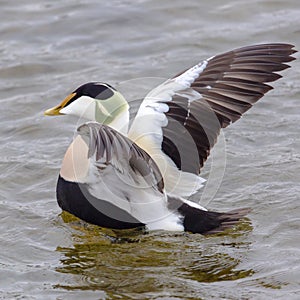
x,y
179,121
109,147
123,174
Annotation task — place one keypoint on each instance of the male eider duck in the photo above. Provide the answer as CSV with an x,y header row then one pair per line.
x,y
120,177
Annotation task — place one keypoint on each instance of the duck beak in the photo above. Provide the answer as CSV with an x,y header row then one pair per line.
x,y
55,111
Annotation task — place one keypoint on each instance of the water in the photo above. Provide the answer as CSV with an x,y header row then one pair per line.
x,y
47,49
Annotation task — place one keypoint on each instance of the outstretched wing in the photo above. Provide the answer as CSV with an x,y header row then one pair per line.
x,y
179,121
122,173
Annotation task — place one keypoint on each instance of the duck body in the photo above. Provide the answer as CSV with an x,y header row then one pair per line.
x,y
102,193
75,199
120,177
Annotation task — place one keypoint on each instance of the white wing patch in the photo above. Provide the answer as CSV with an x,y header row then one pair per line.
x,y
146,130
189,76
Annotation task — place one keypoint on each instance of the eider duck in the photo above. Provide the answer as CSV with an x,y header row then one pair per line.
x,y
120,177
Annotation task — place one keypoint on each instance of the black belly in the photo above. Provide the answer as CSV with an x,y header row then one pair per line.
x,y
74,198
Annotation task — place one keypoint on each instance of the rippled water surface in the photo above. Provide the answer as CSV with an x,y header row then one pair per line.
x,y
47,49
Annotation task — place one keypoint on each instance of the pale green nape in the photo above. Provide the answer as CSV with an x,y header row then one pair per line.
x,y
108,110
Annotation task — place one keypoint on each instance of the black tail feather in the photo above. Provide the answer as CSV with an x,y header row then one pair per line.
x,y
229,219
209,222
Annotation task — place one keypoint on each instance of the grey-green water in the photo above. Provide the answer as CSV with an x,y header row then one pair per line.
x,y
47,49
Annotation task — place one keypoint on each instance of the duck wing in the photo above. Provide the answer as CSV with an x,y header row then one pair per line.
x,y
179,121
122,173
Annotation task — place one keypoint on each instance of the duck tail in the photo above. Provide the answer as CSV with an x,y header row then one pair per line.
x,y
196,220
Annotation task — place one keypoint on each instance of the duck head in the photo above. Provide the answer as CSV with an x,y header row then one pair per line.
x,y
94,101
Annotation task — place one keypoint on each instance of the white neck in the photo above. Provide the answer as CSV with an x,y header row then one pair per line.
x,y
121,122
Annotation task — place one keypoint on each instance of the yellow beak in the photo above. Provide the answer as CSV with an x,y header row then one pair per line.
x,y
55,111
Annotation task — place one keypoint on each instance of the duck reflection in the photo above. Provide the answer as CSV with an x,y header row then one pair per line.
x,y
132,262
